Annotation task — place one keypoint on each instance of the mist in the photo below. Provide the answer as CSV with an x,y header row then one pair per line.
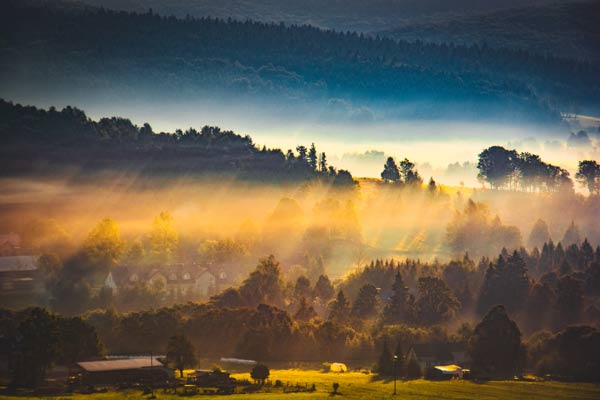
x,y
345,227
359,145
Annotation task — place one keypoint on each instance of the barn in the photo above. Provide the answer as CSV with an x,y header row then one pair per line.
x,y
128,371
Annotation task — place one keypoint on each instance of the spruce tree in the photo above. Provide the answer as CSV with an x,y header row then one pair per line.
x,y
390,171
400,307
339,309
386,364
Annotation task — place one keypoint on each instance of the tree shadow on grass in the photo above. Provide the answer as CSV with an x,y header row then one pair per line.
x,y
388,379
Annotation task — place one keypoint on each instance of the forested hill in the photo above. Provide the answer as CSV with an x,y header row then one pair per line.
x,y
47,51
36,141
567,29
353,15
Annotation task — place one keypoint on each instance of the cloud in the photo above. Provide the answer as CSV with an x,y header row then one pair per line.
x,y
579,139
340,109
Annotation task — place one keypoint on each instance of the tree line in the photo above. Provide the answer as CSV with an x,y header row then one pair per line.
x,y
508,169
267,60
260,322
70,138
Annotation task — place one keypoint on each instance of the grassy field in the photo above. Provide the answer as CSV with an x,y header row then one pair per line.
x,y
355,385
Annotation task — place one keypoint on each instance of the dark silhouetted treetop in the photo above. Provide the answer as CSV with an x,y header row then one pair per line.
x,y
181,353
506,282
390,171
588,174
495,347
502,168
260,373
68,138
539,235
572,235
366,303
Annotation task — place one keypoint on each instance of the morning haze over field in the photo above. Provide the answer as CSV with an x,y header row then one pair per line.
x,y
299,199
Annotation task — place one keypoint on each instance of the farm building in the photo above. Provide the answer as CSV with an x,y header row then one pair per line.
x,y
142,370
432,354
21,283
440,372
215,378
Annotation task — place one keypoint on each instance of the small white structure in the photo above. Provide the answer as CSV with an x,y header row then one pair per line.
x,y
451,370
338,367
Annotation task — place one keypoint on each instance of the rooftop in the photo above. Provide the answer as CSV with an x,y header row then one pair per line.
x,y
115,365
18,263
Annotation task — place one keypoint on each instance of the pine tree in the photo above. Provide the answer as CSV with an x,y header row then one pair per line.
x,y
365,305
400,307
586,254
505,283
539,234
571,235
324,289
432,186
339,309
390,171
312,157
323,162
305,311
386,364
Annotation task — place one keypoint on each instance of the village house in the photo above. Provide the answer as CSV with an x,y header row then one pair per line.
x,y
21,283
429,355
177,280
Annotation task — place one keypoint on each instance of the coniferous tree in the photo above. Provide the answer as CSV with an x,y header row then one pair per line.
x,y
390,171
302,288
385,365
339,309
324,289
586,254
547,257
506,282
302,153
432,186
365,305
323,162
401,305
539,235
569,301
305,312
571,235
312,157
537,313
559,254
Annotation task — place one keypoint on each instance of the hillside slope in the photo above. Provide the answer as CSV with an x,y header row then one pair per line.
x,y
47,52
357,15
564,29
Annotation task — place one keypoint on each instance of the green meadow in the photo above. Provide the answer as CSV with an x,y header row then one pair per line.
x,y
356,385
